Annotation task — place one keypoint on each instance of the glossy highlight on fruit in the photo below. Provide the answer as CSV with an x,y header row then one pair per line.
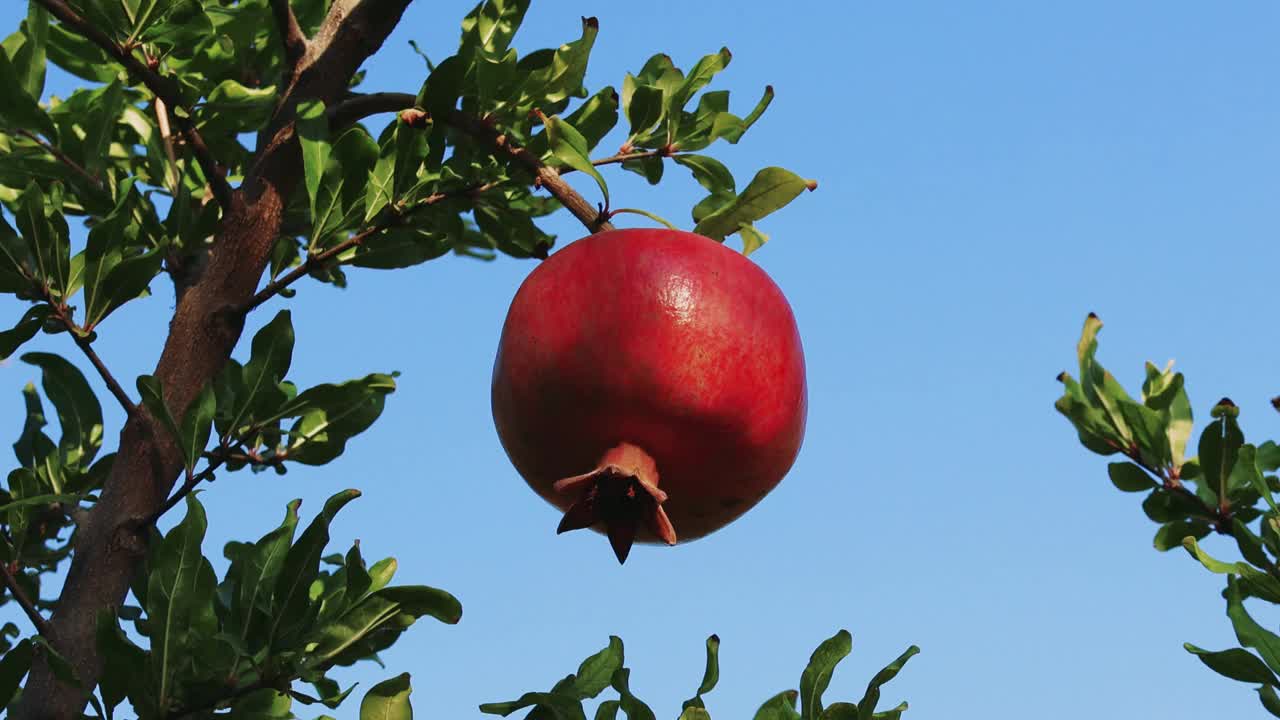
x,y
651,384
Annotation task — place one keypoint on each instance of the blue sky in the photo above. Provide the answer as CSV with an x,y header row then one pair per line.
x,y
990,172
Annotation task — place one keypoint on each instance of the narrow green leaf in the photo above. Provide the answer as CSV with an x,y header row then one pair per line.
x,y
79,414
1236,664
30,323
41,223
270,356
769,190
1248,631
817,675
122,660
313,135
261,566
570,148
291,605
709,172
867,705
1172,534
17,107
631,705
179,600
710,676
752,239
152,394
1270,700
197,424
30,60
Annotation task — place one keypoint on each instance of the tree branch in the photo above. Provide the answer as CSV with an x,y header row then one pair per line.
x,y
6,574
313,262
159,86
295,42
62,157
544,175
358,106
81,338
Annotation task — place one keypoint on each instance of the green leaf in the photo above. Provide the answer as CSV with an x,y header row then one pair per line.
x,y
752,239
779,707
257,573
1270,700
313,135
1249,632
270,356
710,676
290,602
596,672
381,183
152,394
698,78
608,710
41,223
631,705
179,601
709,172
570,148
769,190
491,25
559,76
18,108
867,705
60,666
1128,477
122,660
561,707
197,425
388,700
330,415
1219,445
695,713
29,61
1236,664
840,711
36,501
105,106
14,665
79,414
1172,534
817,675
30,323
111,277
643,107
232,107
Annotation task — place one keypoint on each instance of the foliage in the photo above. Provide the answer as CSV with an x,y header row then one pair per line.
x,y
1228,488
146,155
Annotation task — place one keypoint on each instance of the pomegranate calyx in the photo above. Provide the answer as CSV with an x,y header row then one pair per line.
x,y
620,493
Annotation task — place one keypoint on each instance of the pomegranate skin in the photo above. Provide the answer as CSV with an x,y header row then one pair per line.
x,y
663,340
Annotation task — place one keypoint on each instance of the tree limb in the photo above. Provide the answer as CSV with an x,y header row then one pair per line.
x,y
111,541
159,86
28,607
295,42
80,336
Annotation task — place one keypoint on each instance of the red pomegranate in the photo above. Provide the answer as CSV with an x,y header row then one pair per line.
x,y
651,384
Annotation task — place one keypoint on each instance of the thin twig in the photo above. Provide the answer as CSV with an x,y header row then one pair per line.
x,y
81,338
314,261
187,486
295,42
500,145
11,582
159,86
62,157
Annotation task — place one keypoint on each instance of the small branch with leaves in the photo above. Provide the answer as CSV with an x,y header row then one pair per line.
x,y
317,260
80,336
62,157
161,87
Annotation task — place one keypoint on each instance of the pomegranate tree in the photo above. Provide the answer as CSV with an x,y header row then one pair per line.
x,y
650,384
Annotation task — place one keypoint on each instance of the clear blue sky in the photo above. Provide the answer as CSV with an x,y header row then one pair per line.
x,y
990,172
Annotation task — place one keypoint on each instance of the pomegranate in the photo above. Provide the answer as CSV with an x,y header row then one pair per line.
x,y
650,384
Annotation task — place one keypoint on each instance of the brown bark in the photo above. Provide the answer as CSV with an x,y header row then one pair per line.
x,y
204,329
